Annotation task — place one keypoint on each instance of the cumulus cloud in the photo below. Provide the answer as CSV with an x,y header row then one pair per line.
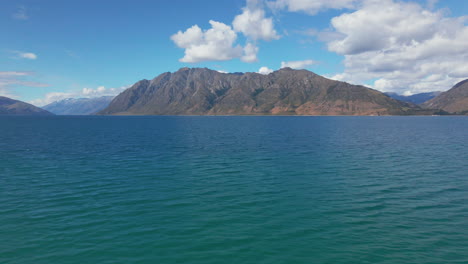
x,y
253,23
219,42
90,91
297,64
214,44
84,93
255,26
250,53
384,24
402,46
312,7
21,13
265,70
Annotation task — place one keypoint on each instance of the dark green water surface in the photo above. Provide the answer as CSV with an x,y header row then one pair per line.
x,y
233,190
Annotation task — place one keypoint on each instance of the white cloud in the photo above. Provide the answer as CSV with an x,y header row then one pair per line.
x,y
11,79
25,55
402,46
312,7
384,24
265,70
21,13
84,93
214,44
219,42
15,78
9,74
253,23
50,97
28,55
101,91
250,53
297,64
90,91
407,93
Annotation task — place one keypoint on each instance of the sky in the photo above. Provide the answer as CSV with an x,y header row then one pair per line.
x,y
55,49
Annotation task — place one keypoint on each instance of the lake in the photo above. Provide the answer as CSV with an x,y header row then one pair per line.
x,y
156,189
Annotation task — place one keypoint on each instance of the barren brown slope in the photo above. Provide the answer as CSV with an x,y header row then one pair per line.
x,y
10,106
454,100
199,91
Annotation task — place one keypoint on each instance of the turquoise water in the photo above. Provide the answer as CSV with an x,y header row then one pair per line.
x,y
233,190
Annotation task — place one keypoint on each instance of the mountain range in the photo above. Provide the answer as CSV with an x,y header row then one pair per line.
x,y
79,106
10,106
201,91
415,98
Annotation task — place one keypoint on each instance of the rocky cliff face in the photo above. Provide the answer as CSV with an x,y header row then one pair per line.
x,y
284,92
9,106
454,100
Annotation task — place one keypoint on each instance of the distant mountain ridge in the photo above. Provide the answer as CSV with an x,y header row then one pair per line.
x,y
79,106
201,91
454,100
10,106
415,98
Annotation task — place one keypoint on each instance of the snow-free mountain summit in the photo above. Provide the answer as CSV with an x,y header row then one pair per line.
x,y
454,100
201,91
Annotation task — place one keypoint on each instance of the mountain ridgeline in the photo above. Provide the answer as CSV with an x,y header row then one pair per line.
x,y
200,91
10,106
454,100
415,98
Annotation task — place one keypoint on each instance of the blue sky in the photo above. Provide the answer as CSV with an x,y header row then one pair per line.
x,y
51,50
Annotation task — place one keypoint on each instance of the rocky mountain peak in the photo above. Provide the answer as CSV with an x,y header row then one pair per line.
x,y
202,91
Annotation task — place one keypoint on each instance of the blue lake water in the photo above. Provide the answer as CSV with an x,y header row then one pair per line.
x,y
233,190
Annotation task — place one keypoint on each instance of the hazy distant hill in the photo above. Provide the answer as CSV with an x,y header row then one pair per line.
x,y
415,98
10,106
200,91
80,106
454,100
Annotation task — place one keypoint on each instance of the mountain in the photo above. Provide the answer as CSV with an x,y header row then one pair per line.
x,y
10,106
454,100
80,106
415,98
200,91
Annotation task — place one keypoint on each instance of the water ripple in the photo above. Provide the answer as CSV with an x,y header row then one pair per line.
x,y
233,189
